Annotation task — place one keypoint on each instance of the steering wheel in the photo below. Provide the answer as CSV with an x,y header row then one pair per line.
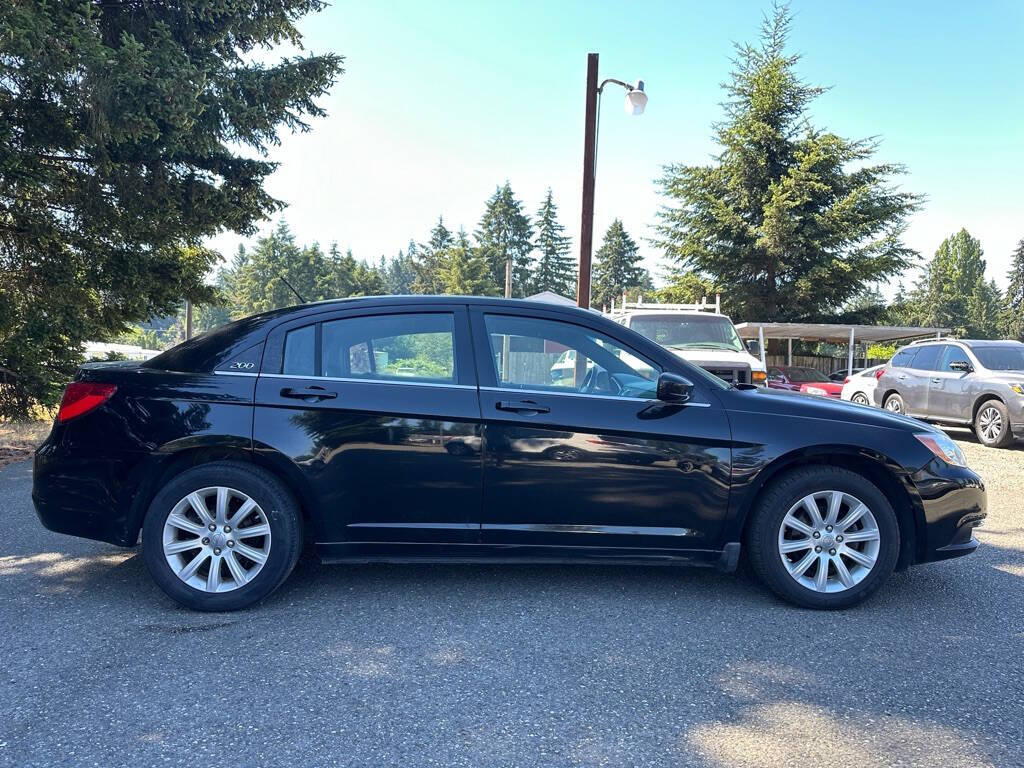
x,y
599,382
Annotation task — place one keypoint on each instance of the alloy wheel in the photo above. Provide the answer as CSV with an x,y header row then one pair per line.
x,y
829,541
893,404
990,424
216,539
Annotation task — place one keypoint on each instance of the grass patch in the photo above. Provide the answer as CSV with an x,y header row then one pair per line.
x,y
18,439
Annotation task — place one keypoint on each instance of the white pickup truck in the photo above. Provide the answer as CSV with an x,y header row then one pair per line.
x,y
698,333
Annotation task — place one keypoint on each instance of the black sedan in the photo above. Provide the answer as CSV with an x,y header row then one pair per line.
x,y
421,429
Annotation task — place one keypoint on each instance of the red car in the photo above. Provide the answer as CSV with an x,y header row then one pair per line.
x,y
796,378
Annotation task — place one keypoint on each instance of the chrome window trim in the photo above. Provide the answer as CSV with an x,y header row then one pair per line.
x,y
505,390
350,380
234,373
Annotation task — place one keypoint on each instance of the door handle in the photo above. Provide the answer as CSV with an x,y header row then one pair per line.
x,y
936,381
902,377
309,394
521,406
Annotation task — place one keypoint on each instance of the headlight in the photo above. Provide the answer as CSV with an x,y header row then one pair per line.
x,y
943,447
816,391
758,377
1018,388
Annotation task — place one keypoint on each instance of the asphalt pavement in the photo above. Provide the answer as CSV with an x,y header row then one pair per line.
x,y
504,665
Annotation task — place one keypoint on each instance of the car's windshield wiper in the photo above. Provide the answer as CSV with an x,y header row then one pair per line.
x,y
701,346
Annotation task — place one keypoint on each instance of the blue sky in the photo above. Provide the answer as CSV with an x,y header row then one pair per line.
x,y
440,102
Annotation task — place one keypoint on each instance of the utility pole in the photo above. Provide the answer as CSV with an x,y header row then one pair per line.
x,y
589,155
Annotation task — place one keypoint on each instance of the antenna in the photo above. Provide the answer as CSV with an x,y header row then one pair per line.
x,y
299,295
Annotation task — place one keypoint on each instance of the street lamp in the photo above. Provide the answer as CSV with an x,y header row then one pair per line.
x,y
636,101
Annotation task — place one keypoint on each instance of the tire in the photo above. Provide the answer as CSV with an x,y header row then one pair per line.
x,y
246,581
770,526
894,403
860,398
992,424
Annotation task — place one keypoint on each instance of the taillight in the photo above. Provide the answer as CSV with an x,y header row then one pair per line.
x,y
83,396
846,380
879,372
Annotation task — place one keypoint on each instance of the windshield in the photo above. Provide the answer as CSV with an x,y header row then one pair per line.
x,y
796,373
997,358
689,331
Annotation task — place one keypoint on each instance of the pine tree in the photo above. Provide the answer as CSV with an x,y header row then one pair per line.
x,y
953,292
129,133
505,234
556,269
430,257
777,221
401,274
464,271
262,281
616,267
1013,301
342,269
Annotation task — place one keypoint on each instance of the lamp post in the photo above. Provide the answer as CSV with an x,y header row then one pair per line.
x,y
636,100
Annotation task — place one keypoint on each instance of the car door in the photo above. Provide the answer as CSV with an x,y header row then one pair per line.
x,y
592,464
378,412
948,396
914,387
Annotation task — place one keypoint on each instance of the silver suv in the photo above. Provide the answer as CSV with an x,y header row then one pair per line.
x,y
980,383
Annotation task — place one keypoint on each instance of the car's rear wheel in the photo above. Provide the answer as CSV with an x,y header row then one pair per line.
x,y
823,537
221,536
894,403
860,398
992,424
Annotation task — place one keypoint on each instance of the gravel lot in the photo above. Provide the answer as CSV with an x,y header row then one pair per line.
x,y
506,665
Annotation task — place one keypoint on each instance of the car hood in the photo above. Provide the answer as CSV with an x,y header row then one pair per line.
x,y
786,403
833,387
704,357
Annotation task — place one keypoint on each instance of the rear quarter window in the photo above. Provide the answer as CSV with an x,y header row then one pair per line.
x,y
903,358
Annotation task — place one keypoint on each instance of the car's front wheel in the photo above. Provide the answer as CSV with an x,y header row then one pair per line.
x,y
221,536
992,424
823,537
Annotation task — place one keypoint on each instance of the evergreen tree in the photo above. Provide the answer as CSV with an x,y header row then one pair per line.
x,y
505,234
778,222
1013,302
430,258
401,275
129,133
367,281
465,272
556,269
953,292
262,281
342,272
617,267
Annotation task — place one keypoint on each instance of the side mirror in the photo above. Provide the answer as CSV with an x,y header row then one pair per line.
x,y
673,388
961,365
753,348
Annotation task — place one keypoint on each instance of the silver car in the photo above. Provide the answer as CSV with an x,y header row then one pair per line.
x,y
976,383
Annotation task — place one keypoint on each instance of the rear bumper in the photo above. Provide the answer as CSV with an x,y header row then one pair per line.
x,y
954,503
86,497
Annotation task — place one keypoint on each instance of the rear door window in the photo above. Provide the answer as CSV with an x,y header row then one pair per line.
x,y
903,358
927,358
412,347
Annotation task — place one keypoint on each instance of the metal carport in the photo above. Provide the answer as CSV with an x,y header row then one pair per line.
x,y
833,333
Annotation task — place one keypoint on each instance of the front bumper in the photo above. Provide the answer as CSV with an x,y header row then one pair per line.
x,y
954,504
